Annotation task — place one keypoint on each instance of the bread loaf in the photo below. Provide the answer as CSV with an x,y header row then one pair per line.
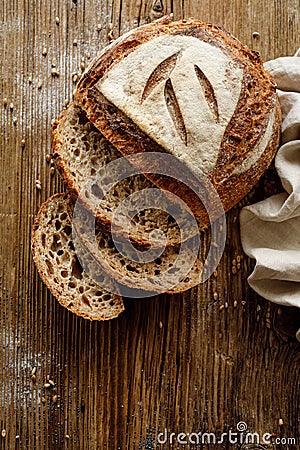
x,y
58,265
192,90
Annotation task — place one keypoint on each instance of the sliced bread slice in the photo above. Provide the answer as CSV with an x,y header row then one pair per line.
x,y
171,270
80,151
55,258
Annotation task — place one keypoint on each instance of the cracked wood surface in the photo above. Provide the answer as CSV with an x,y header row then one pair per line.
x,y
201,361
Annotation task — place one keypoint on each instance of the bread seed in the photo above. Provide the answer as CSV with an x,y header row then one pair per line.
x,y
234,270
5,101
54,398
48,157
110,36
215,273
75,78
258,308
238,258
3,433
30,80
51,381
47,385
57,20
40,84
235,303
15,120
160,324
33,371
221,307
11,106
280,422
17,437
226,305
33,377
52,171
255,34
75,42
23,142
53,63
44,52
43,400
88,55
99,27
234,262
82,65
216,296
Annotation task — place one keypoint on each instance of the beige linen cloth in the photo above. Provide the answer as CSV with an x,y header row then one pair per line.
x,y
270,229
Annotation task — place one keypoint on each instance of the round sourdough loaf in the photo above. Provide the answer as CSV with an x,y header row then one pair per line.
x,y
192,90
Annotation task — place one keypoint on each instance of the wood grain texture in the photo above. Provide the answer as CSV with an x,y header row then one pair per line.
x,y
175,362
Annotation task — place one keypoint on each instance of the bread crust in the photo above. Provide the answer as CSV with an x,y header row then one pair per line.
x,y
257,102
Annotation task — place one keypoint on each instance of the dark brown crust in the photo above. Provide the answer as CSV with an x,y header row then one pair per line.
x,y
43,275
246,127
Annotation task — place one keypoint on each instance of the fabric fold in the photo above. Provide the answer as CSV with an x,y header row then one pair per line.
x,y
270,229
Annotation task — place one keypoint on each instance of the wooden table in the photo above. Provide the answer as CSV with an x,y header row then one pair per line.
x,y
180,363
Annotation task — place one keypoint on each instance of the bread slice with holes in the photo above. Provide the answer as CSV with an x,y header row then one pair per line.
x,y
80,151
192,90
55,258
173,269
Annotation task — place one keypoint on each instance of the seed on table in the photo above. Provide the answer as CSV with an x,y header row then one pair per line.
x,y
51,382
5,101
30,80
234,270
75,42
67,436
226,305
3,433
44,52
15,120
48,157
99,27
235,304
54,398
57,20
23,142
221,307
255,34
40,84
43,400
52,171
280,422
47,385
160,324
82,65
33,377
216,296
11,106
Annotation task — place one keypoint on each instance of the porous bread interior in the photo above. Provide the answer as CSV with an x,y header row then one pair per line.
x,y
57,263
81,150
134,274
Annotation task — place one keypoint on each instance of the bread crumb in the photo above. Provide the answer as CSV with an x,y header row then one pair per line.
x,y
55,72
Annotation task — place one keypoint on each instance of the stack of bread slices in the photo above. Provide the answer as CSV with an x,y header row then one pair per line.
x,y
187,89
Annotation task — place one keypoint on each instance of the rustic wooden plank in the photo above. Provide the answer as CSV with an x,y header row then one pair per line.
x,y
175,362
